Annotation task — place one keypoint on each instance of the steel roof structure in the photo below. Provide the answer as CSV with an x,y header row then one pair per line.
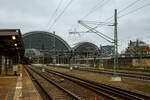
x,y
86,47
11,42
44,40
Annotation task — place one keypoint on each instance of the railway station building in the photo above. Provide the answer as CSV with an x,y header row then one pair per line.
x,y
45,47
86,53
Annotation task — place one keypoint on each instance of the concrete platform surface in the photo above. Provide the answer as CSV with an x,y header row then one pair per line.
x,y
7,85
29,91
18,87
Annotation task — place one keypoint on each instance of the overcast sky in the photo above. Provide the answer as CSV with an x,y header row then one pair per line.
x,y
33,15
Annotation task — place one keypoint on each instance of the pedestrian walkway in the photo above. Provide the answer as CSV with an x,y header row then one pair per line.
x,y
29,91
20,88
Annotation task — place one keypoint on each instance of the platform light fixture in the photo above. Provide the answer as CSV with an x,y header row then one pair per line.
x,y
13,37
15,44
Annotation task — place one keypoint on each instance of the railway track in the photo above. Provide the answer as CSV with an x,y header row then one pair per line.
x,y
124,74
123,69
106,90
41,89
79,88
49,90
135,70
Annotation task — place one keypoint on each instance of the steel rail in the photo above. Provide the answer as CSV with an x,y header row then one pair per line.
x,y
126,94
124,74
39,85
86,85
72,95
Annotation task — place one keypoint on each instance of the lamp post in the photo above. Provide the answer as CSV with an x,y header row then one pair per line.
x,y
100,58
54,45
87,56
95,59
43,70
70,59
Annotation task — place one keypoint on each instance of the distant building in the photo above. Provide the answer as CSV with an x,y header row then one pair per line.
x,y
107,50
33,53
137,48
136,54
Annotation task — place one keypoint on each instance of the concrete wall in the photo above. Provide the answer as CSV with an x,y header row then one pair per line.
x,y
145,62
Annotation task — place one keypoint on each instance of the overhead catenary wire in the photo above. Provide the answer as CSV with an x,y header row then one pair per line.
x,y
108,20
127,12
124,9
130,5
97,6
55,12
107,38
134,10
57,18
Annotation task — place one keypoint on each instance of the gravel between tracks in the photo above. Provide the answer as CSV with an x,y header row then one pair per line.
x,y
131,84
79,90
54,92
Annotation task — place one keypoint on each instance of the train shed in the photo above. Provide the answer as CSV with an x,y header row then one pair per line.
x,y
87,53
45,47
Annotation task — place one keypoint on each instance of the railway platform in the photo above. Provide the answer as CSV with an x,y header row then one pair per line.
x,y
18,87
25,90
15,83
7,85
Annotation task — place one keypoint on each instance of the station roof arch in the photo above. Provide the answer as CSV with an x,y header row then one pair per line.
x,y
44,40
86,47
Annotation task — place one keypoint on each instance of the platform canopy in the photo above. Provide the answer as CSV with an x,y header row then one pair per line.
x,y
11,42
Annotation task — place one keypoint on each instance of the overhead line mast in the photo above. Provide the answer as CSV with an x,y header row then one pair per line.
x,y
109,39
115,44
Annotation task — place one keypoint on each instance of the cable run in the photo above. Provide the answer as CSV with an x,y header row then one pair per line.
x,y
134,10
50,20
94,9
130,5
57,18
110,18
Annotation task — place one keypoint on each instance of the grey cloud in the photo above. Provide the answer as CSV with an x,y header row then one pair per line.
x,y
30,15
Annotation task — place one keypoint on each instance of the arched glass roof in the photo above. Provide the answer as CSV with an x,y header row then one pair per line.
x,y
86,47
42,40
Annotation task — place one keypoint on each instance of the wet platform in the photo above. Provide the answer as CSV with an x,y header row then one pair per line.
x,y
18,87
